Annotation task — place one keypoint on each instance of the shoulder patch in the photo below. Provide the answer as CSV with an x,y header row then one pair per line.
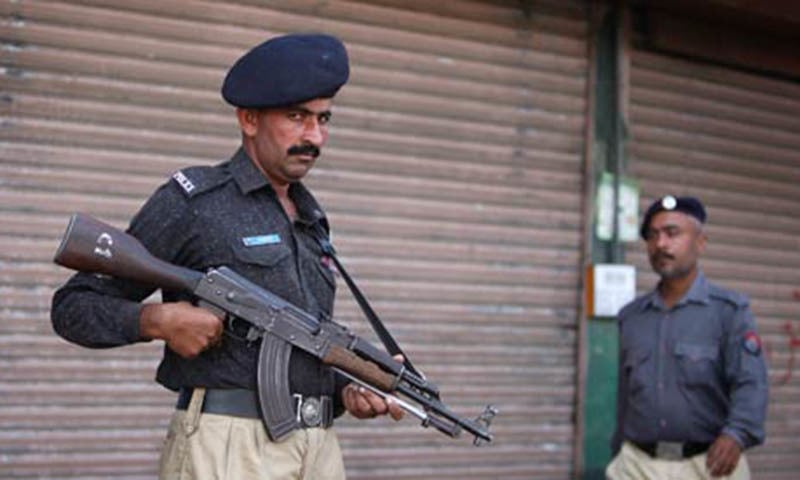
x,y
184,182
751,343
195,180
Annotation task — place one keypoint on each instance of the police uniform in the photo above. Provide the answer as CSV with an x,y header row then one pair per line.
x,y
228,214
686,375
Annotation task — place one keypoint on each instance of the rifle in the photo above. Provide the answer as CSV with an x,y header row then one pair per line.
x,y
90,245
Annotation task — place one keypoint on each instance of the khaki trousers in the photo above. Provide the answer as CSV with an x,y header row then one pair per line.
x,y
633,464
204,446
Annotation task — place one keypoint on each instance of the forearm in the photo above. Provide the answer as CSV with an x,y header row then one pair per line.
x,y
745,422
87,317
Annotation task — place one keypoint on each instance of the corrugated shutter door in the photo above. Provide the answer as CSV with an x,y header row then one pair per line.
x,y
732,139
453,181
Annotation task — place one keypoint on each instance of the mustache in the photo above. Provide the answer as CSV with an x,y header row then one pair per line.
x,y
305,149
660,255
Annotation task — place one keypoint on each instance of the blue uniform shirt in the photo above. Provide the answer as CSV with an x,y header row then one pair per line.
x,y
691,372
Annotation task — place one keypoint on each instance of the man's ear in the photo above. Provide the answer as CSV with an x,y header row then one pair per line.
x,y
248,121
701,241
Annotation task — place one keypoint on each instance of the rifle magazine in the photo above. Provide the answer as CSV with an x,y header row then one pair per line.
x,y
274,396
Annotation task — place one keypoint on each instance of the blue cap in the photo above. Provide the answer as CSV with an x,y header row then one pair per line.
x,y
287,70
688,205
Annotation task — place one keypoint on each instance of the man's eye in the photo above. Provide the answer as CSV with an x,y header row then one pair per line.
x,y
324,119
296,116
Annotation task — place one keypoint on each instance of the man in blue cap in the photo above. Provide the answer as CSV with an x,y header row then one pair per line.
x,y
251,213
692,392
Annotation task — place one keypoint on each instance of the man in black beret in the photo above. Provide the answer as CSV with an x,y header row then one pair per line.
x,y
251,213
692,392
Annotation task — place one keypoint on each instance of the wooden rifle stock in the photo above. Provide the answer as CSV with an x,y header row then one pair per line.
x,y
90,245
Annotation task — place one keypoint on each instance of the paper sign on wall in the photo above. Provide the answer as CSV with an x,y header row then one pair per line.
x,y
627,211
611,287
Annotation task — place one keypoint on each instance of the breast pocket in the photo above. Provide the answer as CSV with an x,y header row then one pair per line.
x,y
697,363
635,368
261,259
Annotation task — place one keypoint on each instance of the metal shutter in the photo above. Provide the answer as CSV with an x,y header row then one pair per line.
x,y
732,139
453,180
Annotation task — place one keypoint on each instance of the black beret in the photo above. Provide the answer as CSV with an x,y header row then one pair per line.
x,y
287,70
688,205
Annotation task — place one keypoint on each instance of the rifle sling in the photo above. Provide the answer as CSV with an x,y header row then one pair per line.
x,y
377,325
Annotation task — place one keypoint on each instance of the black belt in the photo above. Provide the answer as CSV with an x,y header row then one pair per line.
x,y
673,450
239,402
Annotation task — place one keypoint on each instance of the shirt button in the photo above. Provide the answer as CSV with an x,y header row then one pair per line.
x,y
663,423
661,385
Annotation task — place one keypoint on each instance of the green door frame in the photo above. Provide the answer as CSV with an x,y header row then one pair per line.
x,y
599,337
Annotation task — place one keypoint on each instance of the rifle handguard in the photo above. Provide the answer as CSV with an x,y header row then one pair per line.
x,y
353,364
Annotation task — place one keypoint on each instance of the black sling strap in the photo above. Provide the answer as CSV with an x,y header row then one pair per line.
x,y
377,325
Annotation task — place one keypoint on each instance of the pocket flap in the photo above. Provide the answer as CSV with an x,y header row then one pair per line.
x,y
636,357
265,255
696,351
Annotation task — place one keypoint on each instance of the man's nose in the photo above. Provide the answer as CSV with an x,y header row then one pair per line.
x,y
313,132
661,241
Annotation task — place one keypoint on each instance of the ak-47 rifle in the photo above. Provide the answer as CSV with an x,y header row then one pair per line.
x,y
90,245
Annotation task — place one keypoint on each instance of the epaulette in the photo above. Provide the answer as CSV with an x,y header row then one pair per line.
x,y
733,297
193,181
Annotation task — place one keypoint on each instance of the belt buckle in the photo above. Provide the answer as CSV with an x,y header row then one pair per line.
x,y
309,411
669,450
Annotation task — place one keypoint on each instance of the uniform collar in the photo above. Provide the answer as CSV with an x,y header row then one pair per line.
x,y
249,179
698,293
246,174
308,210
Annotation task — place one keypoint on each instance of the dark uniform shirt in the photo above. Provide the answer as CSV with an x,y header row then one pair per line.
x,y
208,217
691,372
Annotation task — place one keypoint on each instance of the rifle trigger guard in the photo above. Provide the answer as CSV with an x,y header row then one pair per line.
x,y
252,334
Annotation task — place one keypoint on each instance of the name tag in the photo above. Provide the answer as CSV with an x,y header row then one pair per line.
x,y
257,240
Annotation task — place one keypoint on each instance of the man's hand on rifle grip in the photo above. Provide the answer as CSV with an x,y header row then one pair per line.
x,y
187,330
361,403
